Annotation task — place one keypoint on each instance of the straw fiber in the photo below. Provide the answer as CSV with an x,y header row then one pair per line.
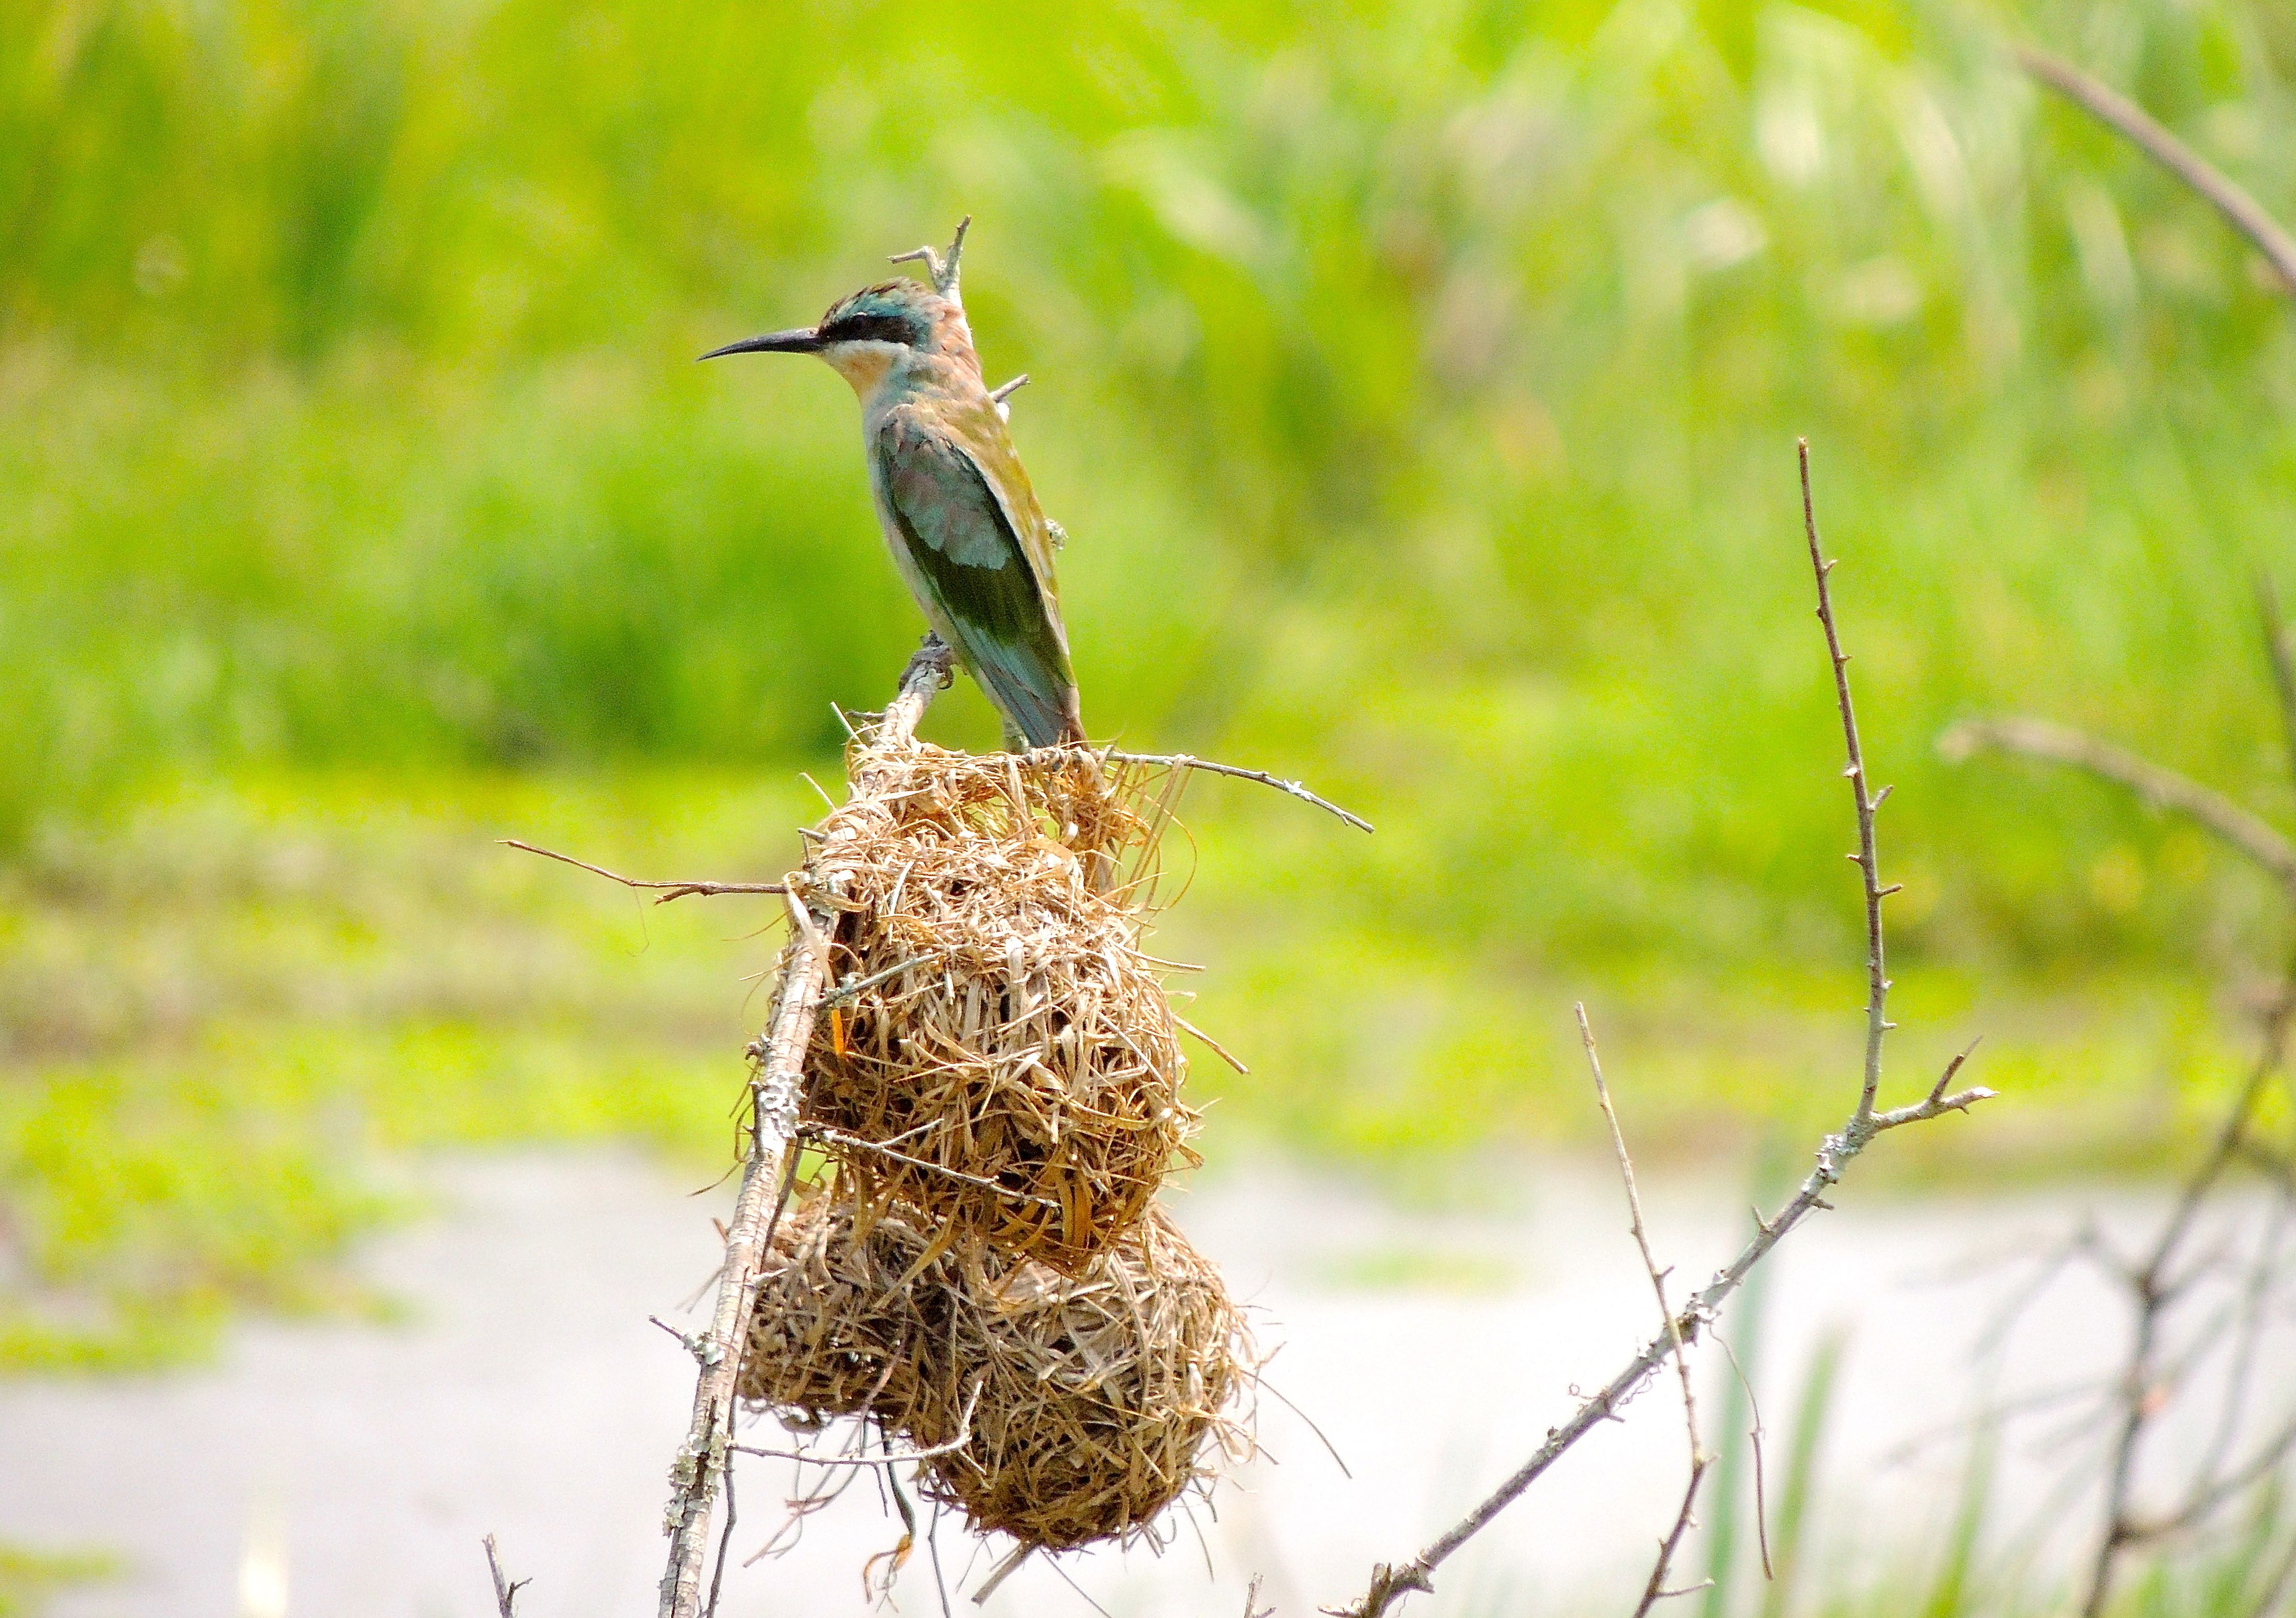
x,y
998,1052
1100,1399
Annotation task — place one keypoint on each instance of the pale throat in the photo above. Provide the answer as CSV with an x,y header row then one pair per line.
x,y
865,364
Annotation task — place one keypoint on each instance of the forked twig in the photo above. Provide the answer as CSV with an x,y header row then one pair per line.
x,y
1655,1590
1390,1582
505,1590
2152,1372
942,269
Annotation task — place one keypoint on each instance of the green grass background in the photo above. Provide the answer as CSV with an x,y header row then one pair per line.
x,y
1418,382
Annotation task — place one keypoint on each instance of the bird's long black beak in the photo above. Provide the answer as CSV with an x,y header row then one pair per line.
x,y
805,340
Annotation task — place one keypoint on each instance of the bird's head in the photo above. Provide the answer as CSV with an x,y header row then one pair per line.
x,y
866,333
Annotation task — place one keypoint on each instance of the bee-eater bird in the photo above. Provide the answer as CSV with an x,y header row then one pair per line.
x,y
965,530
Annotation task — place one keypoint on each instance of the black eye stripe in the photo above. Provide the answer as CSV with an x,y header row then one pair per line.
x,y
866,328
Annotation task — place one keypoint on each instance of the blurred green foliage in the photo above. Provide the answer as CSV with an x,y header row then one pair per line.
x,y
1418,380
1419,384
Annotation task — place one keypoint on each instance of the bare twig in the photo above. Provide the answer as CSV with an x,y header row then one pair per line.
x,y
943,269
1655,1589
2239,209
702,1459
2143,1385
2160,787
2153,1370
2281,659
1184,761
725,1544
1390,1582
1251,1608
677,890
506,1590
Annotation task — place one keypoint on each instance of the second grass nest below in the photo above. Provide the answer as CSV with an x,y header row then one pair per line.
x,y
1058,1410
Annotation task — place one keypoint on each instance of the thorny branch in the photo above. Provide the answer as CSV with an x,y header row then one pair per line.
x,y
703,1459
1390,1582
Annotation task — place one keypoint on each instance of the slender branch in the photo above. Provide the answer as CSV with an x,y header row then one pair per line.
x,y
2160,787
2281,658
702,1459
1390,1582
1180,761
2152,1296
725,1544
1877,986
1655,1589
505,1590
2239,209
678,889
2216,1491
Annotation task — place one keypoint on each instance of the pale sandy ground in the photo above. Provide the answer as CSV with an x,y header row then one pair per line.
x,y
334,1472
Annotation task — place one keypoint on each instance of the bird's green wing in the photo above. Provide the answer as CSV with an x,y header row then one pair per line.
x,y
998,604
974,427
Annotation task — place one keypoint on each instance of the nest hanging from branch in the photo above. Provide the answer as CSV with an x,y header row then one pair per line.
x,y
1096,1402
1066,1410
846,1309
997,1052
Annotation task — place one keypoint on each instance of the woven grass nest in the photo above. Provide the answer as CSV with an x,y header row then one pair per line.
x,y
842,1321
1094,1402
1100,1398
1000,1054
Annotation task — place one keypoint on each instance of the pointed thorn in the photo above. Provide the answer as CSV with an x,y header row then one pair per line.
x,y
1895,887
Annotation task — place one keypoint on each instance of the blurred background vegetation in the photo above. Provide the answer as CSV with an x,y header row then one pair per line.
x,y
1418,381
